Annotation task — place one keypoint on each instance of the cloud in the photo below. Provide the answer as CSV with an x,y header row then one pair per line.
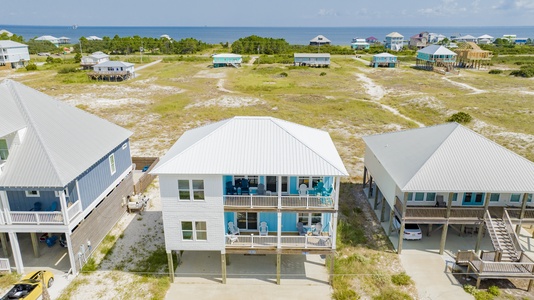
x,y
515,4
327,13
446,7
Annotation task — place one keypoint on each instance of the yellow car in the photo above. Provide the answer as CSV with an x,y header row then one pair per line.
x,y
30,287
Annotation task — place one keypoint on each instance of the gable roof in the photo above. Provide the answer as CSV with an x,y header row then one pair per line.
x,y
9,34
450,158
11,44
46,38
227,55
395,34
113,63
253,145
384,54
60,143
466,37
485,36
436,50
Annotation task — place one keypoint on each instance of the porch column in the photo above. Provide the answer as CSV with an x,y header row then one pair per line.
x,y
403,217
223,268
391,217
279,190
72,257
35,244
78,191
383,209
279,229
482,224
376,198
63,205
171,266
522,214
371,185
443,237
3,237
5,207
333,235
15,248
364,177
278,267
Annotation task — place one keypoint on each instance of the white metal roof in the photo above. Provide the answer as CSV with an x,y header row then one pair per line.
x,y
226,55
436,50
395,34
113,63
11,44
98,55
46,38
9,34
485,36
384,54
450,158
466,37
320,39
312,55
61,141
93,38
253,145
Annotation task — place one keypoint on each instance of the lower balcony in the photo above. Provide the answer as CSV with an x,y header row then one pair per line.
x,y
271,242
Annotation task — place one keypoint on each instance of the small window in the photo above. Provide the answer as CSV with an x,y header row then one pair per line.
x,y
194,231
468,197
112,166
4,151
454,197
198,189
430,196
419,196
183,190
479,197
65,192
33,194
410,196
515,197
494,197
201,231
529,198
308,219
124,146
187,231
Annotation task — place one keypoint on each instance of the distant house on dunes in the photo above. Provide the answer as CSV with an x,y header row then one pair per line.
x,y
227,60
94,59
13,55
112,71
436,58
394,41
312,59
384,60
319,40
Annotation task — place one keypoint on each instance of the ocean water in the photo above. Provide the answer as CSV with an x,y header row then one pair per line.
x,y
293,35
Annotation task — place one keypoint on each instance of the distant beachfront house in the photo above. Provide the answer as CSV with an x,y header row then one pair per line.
x,y
435,38
466,39
52,39
63,174
3,31
436,58
13,55
485,39
227,60
251,185
312,59
95,58
64,40
319,40
112,71
419,40
372,40
384,60
471,56
510,37
359,44
520,41
394,41
93,38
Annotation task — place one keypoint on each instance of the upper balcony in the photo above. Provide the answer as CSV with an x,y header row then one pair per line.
x,y
284,202
50,217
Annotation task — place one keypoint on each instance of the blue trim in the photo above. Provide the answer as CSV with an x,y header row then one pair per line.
x,y
472,200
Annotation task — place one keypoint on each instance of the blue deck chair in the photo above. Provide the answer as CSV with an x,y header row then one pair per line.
x,y
301,229
230,188
37,206
245,187
261,189
319,189
53,206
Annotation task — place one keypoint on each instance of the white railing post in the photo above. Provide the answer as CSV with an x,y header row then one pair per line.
x,y
252,240
307,201
250,200
305,242
37,219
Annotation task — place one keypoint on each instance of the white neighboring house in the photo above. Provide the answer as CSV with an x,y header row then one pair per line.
x,y
52,39
94,59
394,41
93,38
485,39
113,70
250,171
13,55
9,34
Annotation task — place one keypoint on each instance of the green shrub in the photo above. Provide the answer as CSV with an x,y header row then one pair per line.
x,y
460,117
494,290
495,71
322,74
401,279
31,67
391,294
66,70
525,71
283,74
345,294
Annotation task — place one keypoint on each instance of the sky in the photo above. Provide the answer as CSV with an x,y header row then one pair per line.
x,y
280,13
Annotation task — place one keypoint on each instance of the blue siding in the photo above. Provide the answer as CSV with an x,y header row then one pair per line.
x,y
95,180
289,222
326,220
19,202
272,220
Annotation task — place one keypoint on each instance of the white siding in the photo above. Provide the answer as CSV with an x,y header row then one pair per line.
x,y
211,211
384,181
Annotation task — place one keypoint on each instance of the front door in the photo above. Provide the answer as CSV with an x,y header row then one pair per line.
x,y
473,199
271,184
247,220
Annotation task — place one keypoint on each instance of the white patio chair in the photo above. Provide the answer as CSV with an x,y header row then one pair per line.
x,y
232,228
264,229
318,229
303,190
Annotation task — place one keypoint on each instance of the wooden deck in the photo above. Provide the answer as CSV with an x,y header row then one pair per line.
x,y
289,244
272,203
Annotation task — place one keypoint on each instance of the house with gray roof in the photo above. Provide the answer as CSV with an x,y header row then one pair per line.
x,y
453,178
278,189
311,59
95,58
112,70
58,165
436,57
13,55
319,40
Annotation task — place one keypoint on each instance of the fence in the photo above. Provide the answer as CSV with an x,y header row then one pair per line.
x,y
146,179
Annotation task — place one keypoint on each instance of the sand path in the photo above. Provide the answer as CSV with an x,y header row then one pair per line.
x,y
252,60
465,86
220,86
377,93
149,65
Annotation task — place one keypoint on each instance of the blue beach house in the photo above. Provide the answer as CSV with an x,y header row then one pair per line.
x,y
435,56
251,185
227,59
57,164
384,60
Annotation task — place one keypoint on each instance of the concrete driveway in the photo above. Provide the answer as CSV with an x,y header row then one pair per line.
x,y
250,277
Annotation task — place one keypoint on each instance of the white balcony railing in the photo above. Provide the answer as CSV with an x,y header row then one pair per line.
x,y
255,201
299,242
74,210
36,217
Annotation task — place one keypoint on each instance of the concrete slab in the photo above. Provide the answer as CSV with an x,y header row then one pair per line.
x,y
250,276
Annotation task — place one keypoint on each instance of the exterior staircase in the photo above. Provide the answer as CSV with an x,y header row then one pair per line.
x,y
503,237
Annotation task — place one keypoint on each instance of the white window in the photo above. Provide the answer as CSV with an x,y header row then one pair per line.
x,y
33,194
112,166
311,182
308,219
124,146
58,193
4,151
189,190
194,231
